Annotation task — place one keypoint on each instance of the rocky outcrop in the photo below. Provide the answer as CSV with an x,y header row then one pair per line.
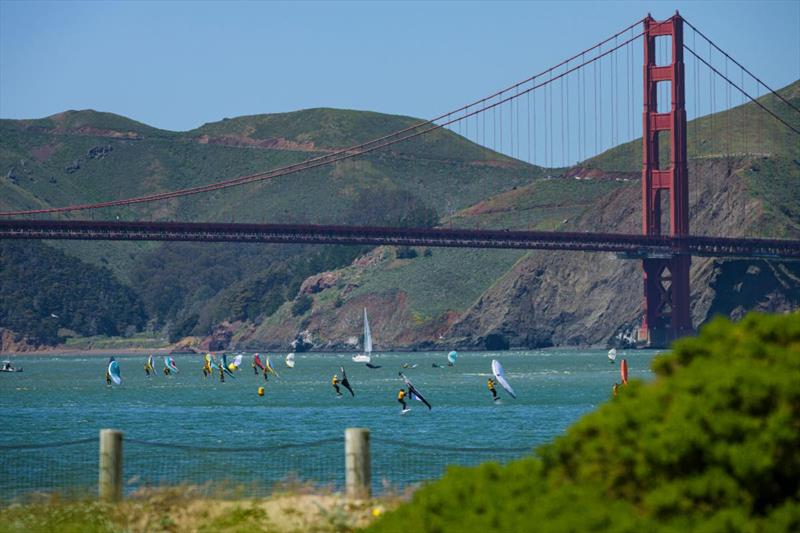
x,y
11,342
276,143
319,282
557,298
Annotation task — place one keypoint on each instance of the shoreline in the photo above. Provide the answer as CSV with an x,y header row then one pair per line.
x,y
99,352
95,352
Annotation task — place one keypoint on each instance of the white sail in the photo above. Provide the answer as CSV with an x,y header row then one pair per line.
x,y
367,335
612,354
290,360
500,376
365,357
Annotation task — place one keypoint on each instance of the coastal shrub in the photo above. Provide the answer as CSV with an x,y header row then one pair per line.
x,y
301,305
710,445
406,252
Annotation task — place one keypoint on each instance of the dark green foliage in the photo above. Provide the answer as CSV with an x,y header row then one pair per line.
x,y
216,282
406,252
38,281
183,328
711,445
302,305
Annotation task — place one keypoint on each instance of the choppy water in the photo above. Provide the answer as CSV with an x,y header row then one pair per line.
x,y
66,398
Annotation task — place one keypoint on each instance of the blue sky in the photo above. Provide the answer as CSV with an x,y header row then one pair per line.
x,y
177,65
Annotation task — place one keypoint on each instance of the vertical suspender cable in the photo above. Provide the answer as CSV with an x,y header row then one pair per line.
x,y
500,112
594,70
727,112
519,151
711,96
568,122
528,107
534,123
561,105
550,126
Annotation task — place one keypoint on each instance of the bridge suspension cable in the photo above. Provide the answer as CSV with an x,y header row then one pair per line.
x,y
477,107
740,89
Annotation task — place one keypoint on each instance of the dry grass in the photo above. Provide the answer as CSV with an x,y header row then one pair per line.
x,y
294,507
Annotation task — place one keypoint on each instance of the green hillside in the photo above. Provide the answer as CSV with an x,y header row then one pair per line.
x,y
47,296
86,156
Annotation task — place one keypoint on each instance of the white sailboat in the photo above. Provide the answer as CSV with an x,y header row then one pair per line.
x,y
366,357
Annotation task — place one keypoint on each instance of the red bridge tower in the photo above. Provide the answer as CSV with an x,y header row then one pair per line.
x,y
666,279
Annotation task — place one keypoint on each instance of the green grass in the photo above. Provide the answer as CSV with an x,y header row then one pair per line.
x,y
448,280
115,343
744,129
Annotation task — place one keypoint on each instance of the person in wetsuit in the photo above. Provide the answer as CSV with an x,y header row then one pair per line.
x,y
335,383
490,384
108,378
401,397
221,374
615,389
147,369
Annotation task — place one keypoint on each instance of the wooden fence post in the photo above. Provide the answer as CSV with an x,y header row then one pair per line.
x,y
110,480
357,467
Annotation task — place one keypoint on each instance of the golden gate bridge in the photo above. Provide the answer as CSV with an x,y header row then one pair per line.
x,y
593,109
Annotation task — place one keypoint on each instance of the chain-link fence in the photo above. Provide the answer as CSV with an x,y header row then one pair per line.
x,y
71,468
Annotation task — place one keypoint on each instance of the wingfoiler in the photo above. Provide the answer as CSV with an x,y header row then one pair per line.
x,y
113,371
500,376
413,392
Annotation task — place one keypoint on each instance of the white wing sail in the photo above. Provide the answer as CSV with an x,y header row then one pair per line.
x,y
612,354
500,376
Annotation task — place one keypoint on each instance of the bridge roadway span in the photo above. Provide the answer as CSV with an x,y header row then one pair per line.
x,y
632,246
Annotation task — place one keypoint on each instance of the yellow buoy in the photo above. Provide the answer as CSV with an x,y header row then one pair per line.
x,y
261,391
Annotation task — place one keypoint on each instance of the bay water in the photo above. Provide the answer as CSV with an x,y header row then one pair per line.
x,y
189,429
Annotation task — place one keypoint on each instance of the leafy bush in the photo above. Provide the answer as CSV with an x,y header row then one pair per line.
x,y
302,304
711,445
406,252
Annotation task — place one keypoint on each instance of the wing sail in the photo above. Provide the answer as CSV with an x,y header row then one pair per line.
x,y
113,371
500,376
345,383
413,392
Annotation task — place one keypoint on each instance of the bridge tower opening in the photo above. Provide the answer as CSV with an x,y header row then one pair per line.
x,y
666,279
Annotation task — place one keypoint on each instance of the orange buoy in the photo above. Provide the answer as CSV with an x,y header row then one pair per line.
x,y
623,370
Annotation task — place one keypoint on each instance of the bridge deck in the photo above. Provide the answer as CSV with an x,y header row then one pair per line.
x,y
633,246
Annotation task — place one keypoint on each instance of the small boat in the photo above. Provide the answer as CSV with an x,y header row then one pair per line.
x,y
366,357
8,368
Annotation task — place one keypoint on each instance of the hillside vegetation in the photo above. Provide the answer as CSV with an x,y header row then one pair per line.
x,y
43,292
710,445
743,171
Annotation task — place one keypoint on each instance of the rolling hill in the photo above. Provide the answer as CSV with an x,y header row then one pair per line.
x,y
744,172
